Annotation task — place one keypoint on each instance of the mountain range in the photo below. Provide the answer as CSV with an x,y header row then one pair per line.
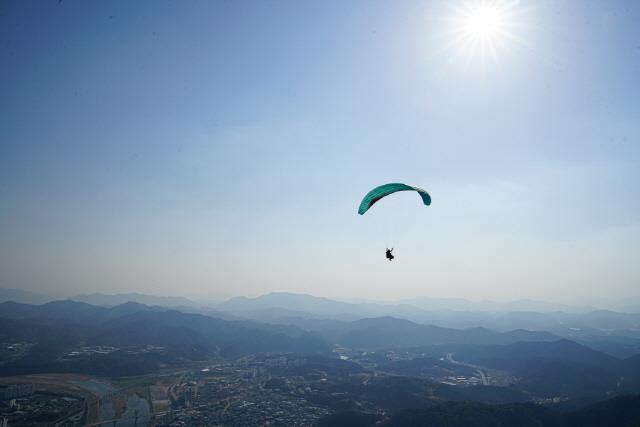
x,y
310,303
57,328
134,339
612,332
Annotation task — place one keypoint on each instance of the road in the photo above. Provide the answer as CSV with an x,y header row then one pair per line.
x,y
480,372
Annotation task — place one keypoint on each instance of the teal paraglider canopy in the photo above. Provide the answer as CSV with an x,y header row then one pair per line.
x,y
384,190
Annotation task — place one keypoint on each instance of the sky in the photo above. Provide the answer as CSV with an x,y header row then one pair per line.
x,y
214,149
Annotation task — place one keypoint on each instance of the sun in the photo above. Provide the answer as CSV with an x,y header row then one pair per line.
x,y
484,22
482,29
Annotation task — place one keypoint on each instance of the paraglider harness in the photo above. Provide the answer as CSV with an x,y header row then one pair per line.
x,y
389,254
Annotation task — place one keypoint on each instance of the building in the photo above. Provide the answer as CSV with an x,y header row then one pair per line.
x,y
14,391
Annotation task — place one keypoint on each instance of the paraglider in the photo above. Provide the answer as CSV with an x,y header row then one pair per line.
x,y
389,254
382,191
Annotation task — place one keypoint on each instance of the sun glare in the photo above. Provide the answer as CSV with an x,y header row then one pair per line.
x,y
483,23
481,29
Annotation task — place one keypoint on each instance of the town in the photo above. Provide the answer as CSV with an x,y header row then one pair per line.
x,y
260,389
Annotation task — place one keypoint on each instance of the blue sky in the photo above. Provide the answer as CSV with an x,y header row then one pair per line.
x,y
213,149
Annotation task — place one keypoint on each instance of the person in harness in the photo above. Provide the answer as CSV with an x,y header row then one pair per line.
x,y
389,254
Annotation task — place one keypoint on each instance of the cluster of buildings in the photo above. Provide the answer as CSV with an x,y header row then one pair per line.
x,y
243,393
261,389
99,350
245,405
91,351
22,407
462,380
13,391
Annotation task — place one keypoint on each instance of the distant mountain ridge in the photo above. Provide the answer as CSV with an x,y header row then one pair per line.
x,y
59,327
615,333
291,301
305,302
428,303
389,332
110,300
25,297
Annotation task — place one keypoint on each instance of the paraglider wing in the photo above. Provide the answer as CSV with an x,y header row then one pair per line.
x,y
386,189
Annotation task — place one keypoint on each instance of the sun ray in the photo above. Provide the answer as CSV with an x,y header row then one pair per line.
x,y
481,31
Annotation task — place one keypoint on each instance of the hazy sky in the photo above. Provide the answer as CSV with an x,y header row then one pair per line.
x,y
212,149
